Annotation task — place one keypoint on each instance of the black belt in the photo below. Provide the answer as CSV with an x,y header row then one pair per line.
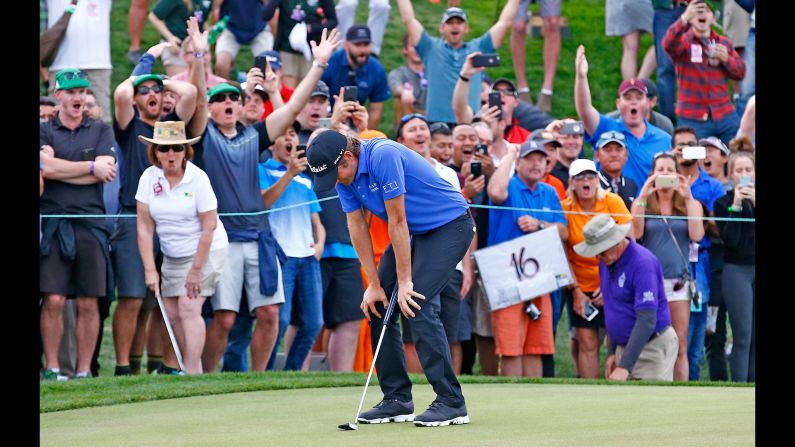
x,y
657,334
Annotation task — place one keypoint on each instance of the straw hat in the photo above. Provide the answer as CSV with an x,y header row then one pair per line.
x,y
169,132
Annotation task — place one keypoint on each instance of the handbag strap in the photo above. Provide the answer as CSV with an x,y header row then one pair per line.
x,y
676,244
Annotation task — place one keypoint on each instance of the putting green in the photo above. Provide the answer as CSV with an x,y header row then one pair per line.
x,y
501,414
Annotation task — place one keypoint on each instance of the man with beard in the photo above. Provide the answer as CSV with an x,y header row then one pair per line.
x,y
354,66
642,138
229,152
139,103
444,56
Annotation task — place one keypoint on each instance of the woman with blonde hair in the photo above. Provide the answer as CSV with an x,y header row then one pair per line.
x,y
585,198
175,199
670,239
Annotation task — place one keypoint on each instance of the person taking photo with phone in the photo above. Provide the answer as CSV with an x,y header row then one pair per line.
x,y
739,271
667,193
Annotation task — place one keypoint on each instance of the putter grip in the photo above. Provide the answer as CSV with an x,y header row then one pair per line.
x,y
390,308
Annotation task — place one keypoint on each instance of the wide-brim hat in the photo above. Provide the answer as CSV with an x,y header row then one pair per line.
x,y
169,132
601,233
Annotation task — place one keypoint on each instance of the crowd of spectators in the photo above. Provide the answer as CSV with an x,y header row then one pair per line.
x,y
218,221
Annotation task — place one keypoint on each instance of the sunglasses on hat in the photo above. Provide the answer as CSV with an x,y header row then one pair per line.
x,y
69,75
408,117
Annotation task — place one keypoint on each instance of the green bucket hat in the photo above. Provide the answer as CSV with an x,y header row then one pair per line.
x,y
147,77
222,88
69,78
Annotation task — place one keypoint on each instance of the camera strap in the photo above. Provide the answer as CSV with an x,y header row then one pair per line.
x,y
690,281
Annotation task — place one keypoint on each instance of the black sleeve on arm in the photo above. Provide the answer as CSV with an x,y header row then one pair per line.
x,y
264,140
645,321
330,13
270,9
730,231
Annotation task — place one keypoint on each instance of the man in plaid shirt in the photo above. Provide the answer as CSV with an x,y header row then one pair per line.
x,y
705,61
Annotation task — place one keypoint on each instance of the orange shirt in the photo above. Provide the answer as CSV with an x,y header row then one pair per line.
x,y
586,270
555,182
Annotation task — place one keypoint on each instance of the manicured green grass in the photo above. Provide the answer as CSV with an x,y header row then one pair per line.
x,y
505,415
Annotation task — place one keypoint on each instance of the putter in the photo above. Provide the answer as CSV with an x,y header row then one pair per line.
x,y
170,331
390,309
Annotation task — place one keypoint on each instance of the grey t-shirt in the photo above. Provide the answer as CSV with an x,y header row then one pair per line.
x,y
419,84
658,240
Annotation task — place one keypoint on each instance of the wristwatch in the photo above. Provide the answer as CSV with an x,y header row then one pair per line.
x,y
541,225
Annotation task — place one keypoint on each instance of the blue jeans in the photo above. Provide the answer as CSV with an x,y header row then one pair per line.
x,y
301,275
748,85
725,129
666,76
697,329
557,308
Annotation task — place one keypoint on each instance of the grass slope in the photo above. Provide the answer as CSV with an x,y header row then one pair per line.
x,y
506,415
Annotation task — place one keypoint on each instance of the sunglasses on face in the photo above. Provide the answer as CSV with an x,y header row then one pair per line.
x,y
171,147
504,91
585,176
660,154
411,116
221,97
157,88
69,75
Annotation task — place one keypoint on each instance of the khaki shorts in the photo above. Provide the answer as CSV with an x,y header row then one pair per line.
x,y
481,314
679,295
656,361
295,65
175,271
173,60
242,270
227,43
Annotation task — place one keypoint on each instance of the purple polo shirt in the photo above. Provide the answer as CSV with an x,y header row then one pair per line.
x,y
633,283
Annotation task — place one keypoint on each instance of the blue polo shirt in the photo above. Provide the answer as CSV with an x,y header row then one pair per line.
x,y
641,151
370,78
387,170
502,223
442,65
633,283
706,189
292,227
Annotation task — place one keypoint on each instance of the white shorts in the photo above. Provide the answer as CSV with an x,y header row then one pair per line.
x,y
227,43
242,267
679,295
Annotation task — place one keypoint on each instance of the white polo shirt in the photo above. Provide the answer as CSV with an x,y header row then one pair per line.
x,y
176,212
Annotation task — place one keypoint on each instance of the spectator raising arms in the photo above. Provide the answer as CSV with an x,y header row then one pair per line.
x,y
658,235
175,200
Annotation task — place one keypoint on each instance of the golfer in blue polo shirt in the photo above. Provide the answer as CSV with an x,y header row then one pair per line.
x,y
430,228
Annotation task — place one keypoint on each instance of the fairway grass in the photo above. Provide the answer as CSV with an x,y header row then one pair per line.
x,y
501,414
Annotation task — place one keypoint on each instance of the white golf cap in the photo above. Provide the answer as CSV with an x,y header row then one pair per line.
x,y
581,165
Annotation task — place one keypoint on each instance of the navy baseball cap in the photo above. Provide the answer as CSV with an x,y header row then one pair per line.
x,y
273,58
323,155
321,89
530,146
358,33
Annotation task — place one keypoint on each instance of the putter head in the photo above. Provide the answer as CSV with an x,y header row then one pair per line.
x,y
349,426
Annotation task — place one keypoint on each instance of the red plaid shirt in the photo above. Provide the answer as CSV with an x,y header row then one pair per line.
x,y
703,89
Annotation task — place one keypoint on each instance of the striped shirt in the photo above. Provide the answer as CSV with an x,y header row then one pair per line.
x,y
703,88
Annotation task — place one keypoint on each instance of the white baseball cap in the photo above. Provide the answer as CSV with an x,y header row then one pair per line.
x,y
581,165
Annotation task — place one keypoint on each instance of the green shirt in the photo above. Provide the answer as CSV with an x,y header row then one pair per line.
x,y
174,13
